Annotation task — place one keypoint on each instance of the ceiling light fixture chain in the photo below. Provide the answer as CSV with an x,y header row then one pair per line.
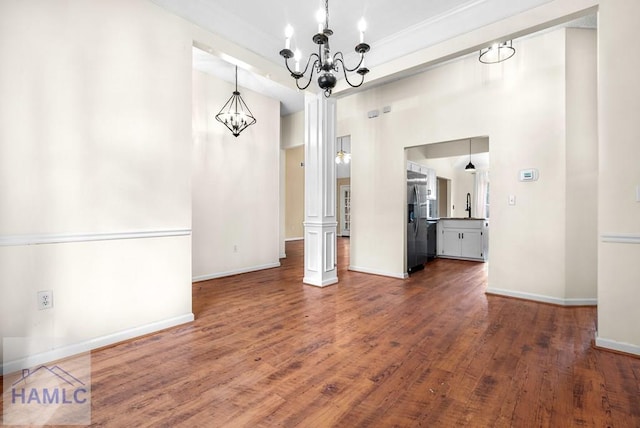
x,y
235,113
323,63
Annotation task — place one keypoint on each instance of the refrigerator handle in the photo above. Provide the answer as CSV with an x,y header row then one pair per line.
x,y
418,201
416,221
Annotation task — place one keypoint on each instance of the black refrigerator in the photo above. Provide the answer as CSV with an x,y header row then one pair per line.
x,y
417,245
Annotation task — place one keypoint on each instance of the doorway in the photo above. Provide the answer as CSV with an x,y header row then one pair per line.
x,y
343,185
444,195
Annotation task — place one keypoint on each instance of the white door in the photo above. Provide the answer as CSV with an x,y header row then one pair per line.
x,y
345,210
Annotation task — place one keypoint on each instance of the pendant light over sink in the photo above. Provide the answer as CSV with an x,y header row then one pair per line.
x,y
470,167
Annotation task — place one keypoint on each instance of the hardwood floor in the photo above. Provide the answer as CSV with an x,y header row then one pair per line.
x,y
370,351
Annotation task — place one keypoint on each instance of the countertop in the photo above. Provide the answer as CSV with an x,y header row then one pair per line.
x,y
459,218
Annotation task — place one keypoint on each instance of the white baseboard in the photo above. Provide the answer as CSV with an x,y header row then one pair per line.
x,y
627,348
283,255
294,239
581,302
379,272
95,343
325,283
544,299
234,272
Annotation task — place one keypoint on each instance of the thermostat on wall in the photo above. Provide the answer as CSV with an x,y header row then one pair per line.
x,y
528,174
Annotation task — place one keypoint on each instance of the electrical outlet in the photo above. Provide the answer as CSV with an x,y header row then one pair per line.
x,y
235,248
45,299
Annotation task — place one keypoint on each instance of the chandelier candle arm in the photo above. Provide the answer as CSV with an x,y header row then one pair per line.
x,y
299,75
344,70
296,74
340,57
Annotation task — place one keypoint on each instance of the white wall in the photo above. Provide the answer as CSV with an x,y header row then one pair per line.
x,y
520,105
294,193
581,164
236,184
95,126
292,130
619,176
283,205
464,183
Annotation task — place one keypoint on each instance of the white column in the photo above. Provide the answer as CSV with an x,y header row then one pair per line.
x,y
320,223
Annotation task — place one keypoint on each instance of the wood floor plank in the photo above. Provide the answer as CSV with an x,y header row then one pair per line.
x,y
432,350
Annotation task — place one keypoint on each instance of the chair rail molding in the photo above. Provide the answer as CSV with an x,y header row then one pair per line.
x,y
18,240
621,238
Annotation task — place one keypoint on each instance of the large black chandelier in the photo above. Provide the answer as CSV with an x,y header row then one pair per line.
x,y
323,62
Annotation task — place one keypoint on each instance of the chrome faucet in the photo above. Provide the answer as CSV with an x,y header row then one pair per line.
x,y
468,204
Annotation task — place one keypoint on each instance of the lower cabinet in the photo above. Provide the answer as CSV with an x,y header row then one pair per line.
x,y
463,239
450,242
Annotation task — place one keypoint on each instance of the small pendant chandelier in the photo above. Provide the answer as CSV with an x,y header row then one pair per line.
x,y
497,52
342,156
235,114
324,63
470,167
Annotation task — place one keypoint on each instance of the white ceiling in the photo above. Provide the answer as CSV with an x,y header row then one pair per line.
x,y
394,29
291,100
458,152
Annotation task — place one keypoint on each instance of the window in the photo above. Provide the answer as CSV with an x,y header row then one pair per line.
x,y
482,194
486,201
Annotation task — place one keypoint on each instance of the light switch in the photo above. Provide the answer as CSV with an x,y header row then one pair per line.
x,y
512,199
638,193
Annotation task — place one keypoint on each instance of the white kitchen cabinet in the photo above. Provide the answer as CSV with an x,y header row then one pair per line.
x,y
465,239
412,166
471,244
432,180
449,243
